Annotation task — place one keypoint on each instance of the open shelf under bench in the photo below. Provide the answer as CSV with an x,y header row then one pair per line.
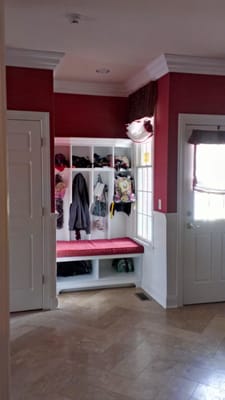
x,y
102,272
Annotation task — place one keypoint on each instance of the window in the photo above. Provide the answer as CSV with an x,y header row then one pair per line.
x,y
208,174
144,185
209,185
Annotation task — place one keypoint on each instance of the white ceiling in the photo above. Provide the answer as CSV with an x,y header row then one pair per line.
x,y
121,35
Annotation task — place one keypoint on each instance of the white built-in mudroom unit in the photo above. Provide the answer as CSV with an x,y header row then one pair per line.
x,y
96,203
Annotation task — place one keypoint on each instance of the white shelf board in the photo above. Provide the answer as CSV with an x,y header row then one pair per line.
x,y
80,282
95,142
102,283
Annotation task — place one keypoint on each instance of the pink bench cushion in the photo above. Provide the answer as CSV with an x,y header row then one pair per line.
x,y
97,247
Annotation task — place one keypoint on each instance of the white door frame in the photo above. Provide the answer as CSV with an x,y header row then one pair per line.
x,y
4,261
183,121
49,269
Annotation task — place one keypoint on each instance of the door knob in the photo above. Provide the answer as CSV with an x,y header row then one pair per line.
x,y
190,225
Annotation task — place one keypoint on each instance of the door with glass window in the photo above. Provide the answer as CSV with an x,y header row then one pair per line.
x,y
204,214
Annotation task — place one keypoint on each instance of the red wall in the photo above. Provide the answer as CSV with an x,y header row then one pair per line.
x,y
31,89
188,93
90,116
97,116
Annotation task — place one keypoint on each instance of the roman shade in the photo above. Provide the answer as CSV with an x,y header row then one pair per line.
x,y
200,136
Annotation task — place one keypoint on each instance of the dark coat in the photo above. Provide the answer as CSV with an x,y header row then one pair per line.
x,y
79,218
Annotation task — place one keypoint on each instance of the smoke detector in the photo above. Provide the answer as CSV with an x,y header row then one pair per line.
x,y
74,18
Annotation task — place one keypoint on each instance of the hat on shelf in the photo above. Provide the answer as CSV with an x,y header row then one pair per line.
x,y
61,162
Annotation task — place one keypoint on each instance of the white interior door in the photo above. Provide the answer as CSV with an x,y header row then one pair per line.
x,y
203,219
25,214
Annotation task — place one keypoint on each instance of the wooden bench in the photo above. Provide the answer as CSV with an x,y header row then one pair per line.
x,y
100,253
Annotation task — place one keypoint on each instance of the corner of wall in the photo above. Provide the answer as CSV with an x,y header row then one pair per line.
x,y
154,277
172,273
160,261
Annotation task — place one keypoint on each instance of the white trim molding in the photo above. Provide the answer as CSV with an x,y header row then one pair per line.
x,y
154,70
157,68
175,63
32,58
4,256
195,65
90,88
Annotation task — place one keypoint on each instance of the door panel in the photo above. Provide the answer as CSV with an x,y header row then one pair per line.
x,y
222,271
204,238
203,258
25,214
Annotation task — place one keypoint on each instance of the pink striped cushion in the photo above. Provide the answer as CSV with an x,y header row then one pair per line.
x,y
97,247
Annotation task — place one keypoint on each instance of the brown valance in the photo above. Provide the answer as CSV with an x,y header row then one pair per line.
x,y
199,136
142,102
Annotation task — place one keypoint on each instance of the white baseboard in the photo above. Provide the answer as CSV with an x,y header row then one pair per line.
x,y
156,296
172,302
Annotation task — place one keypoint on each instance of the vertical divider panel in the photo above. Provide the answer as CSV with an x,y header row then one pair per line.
x,y
95,266
63,232
91,196
111,190
91,187
92,156
70,187
110,200
138,267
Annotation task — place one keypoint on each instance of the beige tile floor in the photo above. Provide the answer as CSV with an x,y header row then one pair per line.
x,y
110,345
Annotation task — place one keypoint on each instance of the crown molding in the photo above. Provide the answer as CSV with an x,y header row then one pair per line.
x,y
32,58
90,88
195,64
175,63
157,68
153,71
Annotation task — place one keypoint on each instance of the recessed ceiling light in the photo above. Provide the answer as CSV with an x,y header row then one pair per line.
x,y
103,70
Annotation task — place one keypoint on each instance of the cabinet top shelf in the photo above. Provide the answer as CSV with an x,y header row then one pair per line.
x,y
95,142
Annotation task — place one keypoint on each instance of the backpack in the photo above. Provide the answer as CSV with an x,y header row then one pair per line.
x,y
123,264
124,189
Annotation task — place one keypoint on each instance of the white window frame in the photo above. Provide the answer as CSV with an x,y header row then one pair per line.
x,y
144,165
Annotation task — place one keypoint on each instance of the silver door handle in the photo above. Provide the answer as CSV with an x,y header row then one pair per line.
x,y
190,225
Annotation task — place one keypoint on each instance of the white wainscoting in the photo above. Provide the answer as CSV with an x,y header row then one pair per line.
x,y
172,273
159,277
49,290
